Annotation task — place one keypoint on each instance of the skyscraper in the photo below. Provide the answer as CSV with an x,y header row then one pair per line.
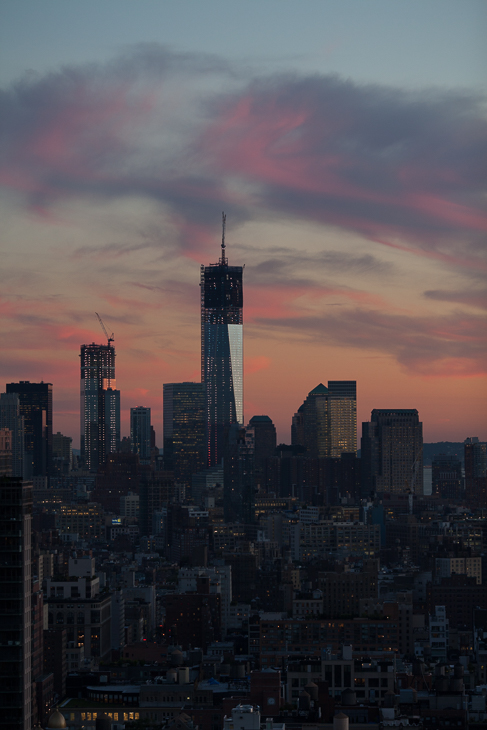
x,y
221,350
140,433
11,419
326,423
100,405
15,604
392,445
184,429
36,408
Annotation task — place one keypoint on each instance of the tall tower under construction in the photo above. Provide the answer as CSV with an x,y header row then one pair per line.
x,y
221,350
100,405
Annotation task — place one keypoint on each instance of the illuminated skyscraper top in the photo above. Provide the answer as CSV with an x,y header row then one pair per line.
x,y
221,349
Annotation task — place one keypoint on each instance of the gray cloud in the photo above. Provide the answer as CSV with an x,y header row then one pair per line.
x,y
470,297
428,345
196,133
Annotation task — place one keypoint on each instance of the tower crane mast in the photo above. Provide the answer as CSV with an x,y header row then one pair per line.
x,y
110,338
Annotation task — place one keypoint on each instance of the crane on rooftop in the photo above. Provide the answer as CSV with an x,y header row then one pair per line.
x,y
110,338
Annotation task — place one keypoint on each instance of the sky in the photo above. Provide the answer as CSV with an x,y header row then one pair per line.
x,y
346,142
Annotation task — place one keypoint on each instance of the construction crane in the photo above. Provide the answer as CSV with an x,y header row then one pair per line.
x,y
110,338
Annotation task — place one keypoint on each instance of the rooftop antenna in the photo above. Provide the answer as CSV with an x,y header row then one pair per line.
x,y
110,338
224,223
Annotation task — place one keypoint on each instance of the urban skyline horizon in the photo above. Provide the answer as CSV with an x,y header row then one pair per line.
x,y
346,150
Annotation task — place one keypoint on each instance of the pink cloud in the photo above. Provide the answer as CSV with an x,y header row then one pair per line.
x,y
255,364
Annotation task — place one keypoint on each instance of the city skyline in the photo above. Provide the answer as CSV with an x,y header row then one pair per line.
x,y
347,151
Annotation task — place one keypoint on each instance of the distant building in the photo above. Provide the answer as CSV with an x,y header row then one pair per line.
x,y
392,445
184,429
11,418
62,453
476,471
140,433
326,423
36,408
5,452
100,405
447,480
264,443
221,351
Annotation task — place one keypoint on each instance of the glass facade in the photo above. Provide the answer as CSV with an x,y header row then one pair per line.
x,y
326,423
140,433
184,429
221,352
100,405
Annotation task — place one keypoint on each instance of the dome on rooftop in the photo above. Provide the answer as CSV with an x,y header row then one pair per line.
x,y
57,720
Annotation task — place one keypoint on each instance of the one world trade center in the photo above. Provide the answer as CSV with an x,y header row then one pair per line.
x,y
221,350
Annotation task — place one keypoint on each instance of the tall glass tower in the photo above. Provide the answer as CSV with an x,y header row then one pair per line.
x,y
100,405
221,350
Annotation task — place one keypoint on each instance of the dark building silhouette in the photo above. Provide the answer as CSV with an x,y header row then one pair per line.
x,y
55,643
11,419
140,433
193,619
100,405
238,476
36,408
119,475
221,350
392,443
184,429
15,604
62,453
476,471
447,480
326,423
263,433
156,491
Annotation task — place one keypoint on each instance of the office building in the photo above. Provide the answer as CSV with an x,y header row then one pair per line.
x,y
15,604
476,471
140,433
184,430
326,423
100,405
221,350
392,448
36,408
447,480
5,452
62,453
11,419
263,434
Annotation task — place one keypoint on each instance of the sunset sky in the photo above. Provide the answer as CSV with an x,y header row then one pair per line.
x,y
346,141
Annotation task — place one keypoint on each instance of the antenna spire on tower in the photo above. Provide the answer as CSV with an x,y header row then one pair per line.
x,y
224,223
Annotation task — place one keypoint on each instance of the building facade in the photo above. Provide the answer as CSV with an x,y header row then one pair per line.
x,y
221,351
326,423
184,429
140,433
15,604
392,448
36,407
11,419
100,405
